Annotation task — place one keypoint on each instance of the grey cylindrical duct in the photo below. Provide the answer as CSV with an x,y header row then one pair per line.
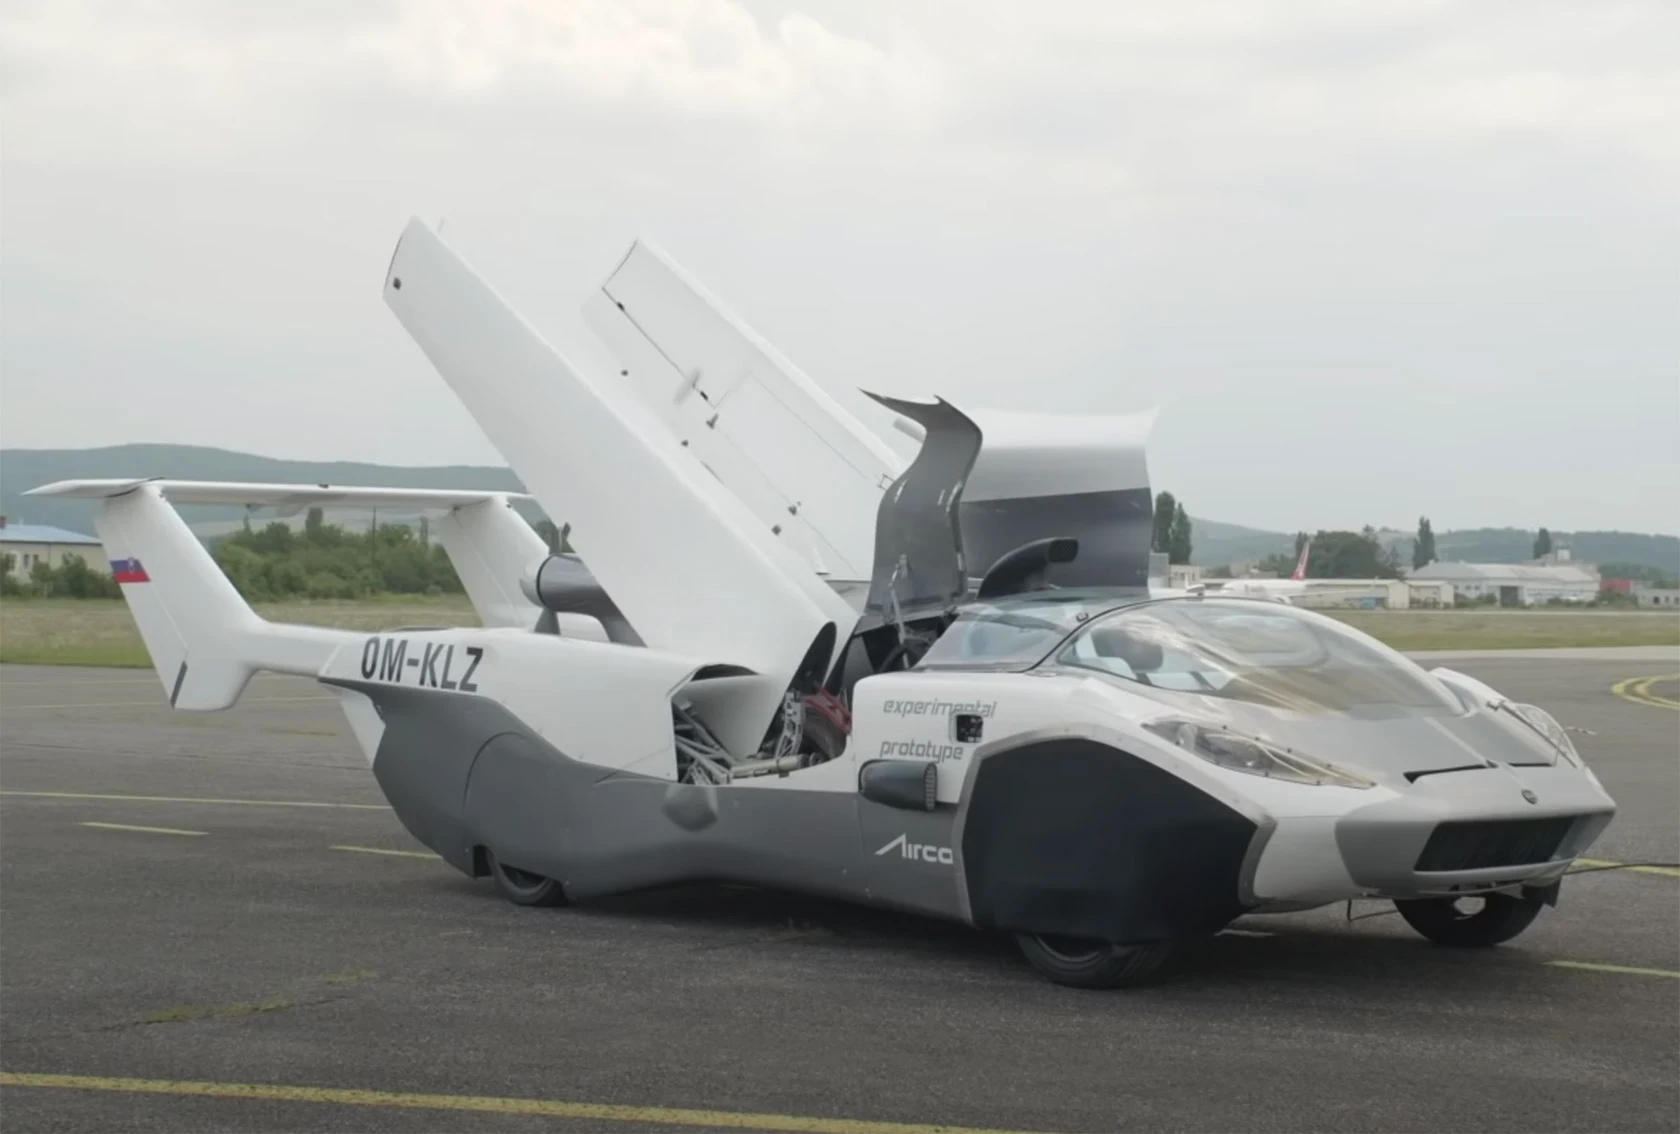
x,y
562,584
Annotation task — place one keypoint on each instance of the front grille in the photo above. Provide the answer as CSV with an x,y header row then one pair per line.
x,y
1480,844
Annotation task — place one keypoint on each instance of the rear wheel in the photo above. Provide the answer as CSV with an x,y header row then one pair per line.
x,y
1080,962
524,888
1470,923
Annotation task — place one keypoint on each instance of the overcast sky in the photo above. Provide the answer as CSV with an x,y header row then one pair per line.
x,y
1369,259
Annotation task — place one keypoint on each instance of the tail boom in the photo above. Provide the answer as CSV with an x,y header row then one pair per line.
x,y
203,638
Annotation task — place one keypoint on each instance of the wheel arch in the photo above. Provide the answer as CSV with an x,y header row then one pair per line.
x,y
1074,829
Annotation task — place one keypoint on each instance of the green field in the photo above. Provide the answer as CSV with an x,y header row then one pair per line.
x,y
91,632
95,632
1515,629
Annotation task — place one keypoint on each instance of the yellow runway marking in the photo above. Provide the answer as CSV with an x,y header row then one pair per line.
x,y
163,704
1665,871
595,1112
198,799
1638,691
382,850
147,830
1626,970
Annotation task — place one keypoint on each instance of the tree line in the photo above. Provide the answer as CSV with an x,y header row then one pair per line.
x,y
72,578
1172,531
323,561
1335,554
330,561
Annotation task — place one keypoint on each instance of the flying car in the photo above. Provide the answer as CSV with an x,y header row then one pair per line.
x,y
785,653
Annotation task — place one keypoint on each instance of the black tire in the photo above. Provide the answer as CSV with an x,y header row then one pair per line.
x,y
524,888
1082,963
1445,922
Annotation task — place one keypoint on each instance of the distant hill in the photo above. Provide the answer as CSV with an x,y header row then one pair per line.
x,y
1512,545
23,469
1215,543
1218,544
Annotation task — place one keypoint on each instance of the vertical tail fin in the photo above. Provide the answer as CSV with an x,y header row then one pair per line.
x,y
192,619
491,549
204,639
1301,563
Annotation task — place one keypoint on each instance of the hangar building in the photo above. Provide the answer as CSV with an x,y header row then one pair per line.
x,y
1516,584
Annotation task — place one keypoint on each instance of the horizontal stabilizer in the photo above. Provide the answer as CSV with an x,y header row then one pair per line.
x,y
275,495
489,544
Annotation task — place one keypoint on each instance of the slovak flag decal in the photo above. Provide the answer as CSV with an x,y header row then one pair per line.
x,y
129,571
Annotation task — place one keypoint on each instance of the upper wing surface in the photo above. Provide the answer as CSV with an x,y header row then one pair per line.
x,y
800,461
693,571
276,495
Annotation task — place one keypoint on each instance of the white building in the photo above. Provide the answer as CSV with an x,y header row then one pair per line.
x,y
29,544
1180,576
1516,584
1376,594
1667,598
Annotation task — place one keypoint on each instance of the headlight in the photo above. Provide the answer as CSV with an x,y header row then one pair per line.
x,y
1240,753
1546,725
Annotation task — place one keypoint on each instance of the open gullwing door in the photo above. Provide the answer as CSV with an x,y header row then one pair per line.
x,y
919,566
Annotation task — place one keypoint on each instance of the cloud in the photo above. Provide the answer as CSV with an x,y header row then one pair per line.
x,y
178,69
1267,216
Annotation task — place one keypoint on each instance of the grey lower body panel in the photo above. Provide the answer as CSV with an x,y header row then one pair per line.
x,y
1065,835
462,773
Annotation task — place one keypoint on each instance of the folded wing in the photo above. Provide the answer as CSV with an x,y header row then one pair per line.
x,y
800,458
692,569
796,456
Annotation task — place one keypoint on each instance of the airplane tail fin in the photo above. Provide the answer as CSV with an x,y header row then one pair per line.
x,y
204,639
189,615
1301,563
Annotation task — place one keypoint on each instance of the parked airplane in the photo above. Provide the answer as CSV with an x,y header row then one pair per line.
x,y
1282,589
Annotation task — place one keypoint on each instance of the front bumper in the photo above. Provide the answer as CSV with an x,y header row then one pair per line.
x,y
1478,829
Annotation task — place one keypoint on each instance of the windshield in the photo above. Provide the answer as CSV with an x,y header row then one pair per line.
x,y
1268,654
1020,631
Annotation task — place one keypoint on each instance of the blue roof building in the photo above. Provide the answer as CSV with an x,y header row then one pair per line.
x,y
43,533
29,544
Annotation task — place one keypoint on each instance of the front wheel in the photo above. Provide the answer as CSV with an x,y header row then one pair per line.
x,y
1083,963
1457,922
524,888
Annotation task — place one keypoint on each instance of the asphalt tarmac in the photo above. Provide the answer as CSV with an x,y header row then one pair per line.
x,y
263,966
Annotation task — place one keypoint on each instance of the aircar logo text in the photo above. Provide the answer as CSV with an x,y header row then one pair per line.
x,y
919,852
